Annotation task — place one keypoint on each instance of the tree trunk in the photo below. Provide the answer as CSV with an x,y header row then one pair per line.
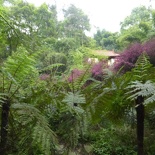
x,y
140,124
4,126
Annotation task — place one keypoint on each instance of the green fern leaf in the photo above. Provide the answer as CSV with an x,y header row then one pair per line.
x,y
17,69
142,67
147,90
42,134
50,67
72,98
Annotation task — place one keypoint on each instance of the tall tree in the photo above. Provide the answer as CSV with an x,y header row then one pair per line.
x,y
138,15
32,23
136,27
75,24
106,40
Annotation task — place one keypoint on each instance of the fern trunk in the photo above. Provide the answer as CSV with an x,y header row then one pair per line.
x,y
4,126
140,124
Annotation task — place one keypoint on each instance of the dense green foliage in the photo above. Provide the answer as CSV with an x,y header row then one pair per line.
x,y
106,40
53,102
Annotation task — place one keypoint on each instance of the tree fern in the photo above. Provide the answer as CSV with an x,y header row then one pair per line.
x,y
141,84
17,72
140,88
72,120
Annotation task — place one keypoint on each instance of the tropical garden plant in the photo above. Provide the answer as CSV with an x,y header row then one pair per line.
x,y
53,102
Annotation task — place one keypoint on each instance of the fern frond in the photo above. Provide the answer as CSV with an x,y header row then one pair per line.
x,y
73,100
19,65
78,82
52,66
109,100
2,97
150,99
147,90
142,67
17,69
5,19
42,134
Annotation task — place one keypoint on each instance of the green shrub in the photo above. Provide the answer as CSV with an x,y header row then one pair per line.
x,y
115,142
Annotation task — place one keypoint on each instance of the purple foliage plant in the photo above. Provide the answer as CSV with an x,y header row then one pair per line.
x,y
128,58
97,70
149,48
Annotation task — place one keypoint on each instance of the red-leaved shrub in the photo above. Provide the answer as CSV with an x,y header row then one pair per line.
x,y
126,61
128,58
149,48
97,70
